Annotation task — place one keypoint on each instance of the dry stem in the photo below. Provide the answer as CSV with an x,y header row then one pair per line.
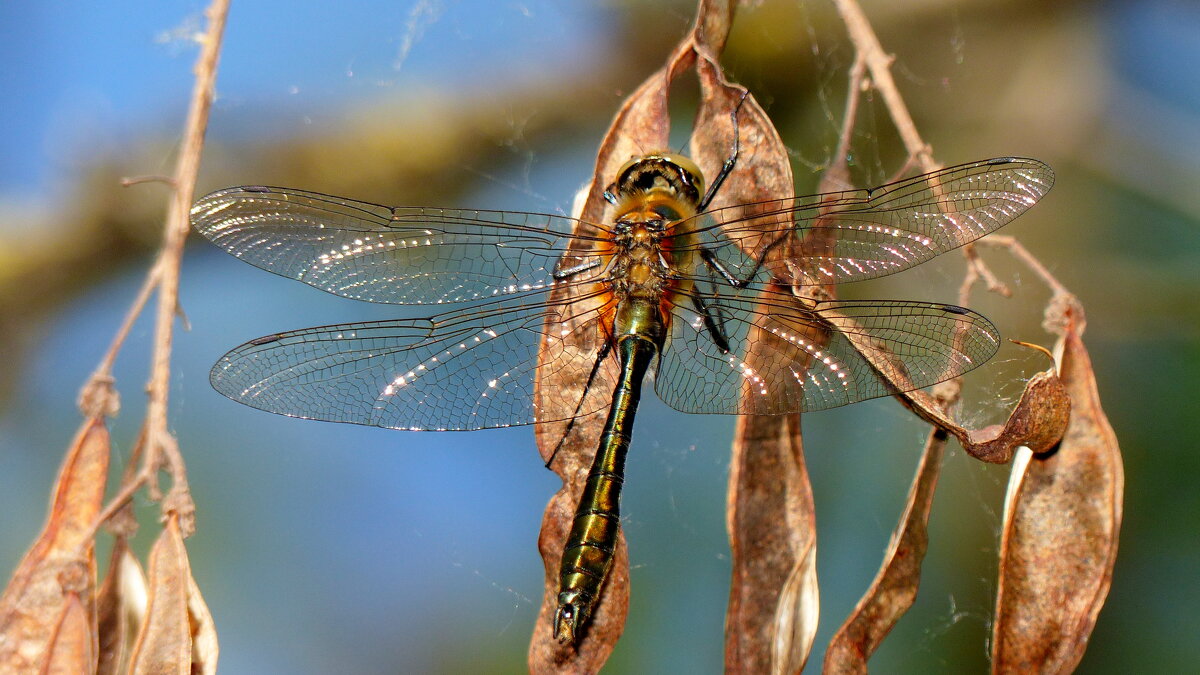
x,y
879,64
837,176
869,51
160,449
894,589
1018,251
97,396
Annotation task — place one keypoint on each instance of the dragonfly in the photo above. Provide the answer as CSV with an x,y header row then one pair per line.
x,y
700,299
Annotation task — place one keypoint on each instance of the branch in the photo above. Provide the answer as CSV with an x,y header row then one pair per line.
x,y
160,448
879,64
1040,416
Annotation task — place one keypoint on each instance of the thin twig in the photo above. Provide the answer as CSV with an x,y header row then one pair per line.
x,y
161,449
158,438
850,654
97,397
879,63
123,496
972,276
1018,251
947,393
869,51
130,181
974,262
837,176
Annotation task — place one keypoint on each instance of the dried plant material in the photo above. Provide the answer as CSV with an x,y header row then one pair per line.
x,y
49,617
764,171
1040,417
61,562
164,644
120,609
72,650
205,648
773,601
1062,517
1038,421
894,589
161,451
565,371
569,448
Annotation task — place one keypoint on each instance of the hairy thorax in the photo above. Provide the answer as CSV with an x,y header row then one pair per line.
x,y
647,257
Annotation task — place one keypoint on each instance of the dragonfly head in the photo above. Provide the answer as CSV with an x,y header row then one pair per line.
x,y
573,607
668,174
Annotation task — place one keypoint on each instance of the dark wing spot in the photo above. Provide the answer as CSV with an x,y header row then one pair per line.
x,y
265,340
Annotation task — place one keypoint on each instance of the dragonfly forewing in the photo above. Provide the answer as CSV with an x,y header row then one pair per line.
x,y
864,234
399,255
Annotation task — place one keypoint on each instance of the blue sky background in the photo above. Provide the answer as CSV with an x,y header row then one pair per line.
x,y
83,79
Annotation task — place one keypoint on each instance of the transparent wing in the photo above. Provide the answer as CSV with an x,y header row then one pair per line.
x,y
401,255
465,369
782,358
862,234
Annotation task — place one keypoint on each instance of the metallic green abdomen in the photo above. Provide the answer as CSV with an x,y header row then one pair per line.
x,y
591,544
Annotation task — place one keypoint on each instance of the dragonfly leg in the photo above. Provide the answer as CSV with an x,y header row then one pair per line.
x,y
730,162
587,387
717,266
710,259
710,324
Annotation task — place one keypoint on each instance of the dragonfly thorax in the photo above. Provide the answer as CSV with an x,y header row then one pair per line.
x,y
639,267
652,194
645,262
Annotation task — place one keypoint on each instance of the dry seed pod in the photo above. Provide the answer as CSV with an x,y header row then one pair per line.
x,y
642,122
894,589
1062,517
120,608
164,644
60,564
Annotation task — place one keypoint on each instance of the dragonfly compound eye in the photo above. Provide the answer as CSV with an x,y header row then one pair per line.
x,y
663,173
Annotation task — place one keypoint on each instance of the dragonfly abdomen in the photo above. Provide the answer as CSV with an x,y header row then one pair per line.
x,y
591,545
